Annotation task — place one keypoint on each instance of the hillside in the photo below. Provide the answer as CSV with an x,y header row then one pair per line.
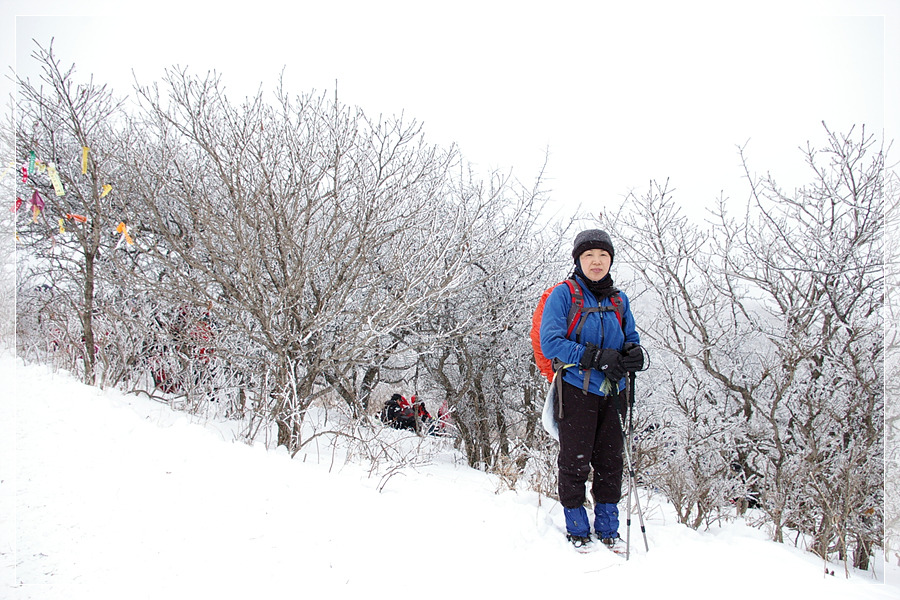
x,y
106,495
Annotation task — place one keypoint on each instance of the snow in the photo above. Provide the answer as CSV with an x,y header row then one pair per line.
x,y
110,495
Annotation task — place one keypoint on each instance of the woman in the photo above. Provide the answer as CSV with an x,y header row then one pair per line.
x,y
593,387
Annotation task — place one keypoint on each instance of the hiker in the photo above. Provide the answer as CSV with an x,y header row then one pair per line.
x,y
421,412
593,387
424,419
400,413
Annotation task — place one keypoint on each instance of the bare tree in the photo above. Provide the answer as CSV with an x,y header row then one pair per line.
x,y
779,310
694,406
316,235
817,257
68,134
475,348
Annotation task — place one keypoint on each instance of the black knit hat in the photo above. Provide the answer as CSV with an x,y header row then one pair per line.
x,y
591,239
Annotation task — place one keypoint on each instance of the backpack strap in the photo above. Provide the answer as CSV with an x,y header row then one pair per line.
x,y
576,307
616,300
573,319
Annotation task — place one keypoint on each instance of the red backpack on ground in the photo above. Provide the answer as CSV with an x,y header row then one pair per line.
x,y
544,364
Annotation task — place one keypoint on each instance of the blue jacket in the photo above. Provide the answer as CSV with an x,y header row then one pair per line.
x,y
600,328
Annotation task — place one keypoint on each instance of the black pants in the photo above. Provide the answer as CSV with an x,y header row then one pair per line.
x,y
590,436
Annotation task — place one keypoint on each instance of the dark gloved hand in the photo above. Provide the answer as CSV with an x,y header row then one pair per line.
x,y
632,357
609,362
587,359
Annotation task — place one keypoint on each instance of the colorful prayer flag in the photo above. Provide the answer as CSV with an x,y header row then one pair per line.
x,y
54,179
36,201
123,229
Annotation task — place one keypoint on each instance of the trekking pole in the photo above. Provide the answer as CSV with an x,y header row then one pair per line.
x,y
637,498
628,511
632,478
630,482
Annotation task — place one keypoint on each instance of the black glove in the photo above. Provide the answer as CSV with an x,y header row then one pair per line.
x,y
609,362
632,357
587,359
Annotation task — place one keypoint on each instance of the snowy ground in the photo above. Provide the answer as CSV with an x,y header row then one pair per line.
x,y
104,495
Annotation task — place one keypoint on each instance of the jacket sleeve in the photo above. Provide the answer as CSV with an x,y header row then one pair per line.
x,y
554,343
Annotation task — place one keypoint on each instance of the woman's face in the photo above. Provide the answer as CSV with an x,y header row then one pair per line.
x,y
595,263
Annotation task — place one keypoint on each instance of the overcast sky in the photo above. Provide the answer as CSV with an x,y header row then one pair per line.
x,y
617,96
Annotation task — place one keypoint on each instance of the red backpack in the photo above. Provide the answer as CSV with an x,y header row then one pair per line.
x,y
544,364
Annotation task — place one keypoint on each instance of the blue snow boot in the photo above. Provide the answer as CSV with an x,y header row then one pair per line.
x,y
606,521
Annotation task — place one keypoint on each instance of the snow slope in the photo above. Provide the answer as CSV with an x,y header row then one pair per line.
x,y
105,495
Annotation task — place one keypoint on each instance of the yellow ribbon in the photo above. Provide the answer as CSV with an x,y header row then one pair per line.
x,y
106,189
54,179
61,228
84,156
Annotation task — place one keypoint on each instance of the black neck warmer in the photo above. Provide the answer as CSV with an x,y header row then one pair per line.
x,y
601,289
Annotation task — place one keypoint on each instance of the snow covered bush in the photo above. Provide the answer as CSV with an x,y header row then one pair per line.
x,y
272,252
776,315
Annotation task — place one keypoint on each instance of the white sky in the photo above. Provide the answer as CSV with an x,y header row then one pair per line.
x,y
618,96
